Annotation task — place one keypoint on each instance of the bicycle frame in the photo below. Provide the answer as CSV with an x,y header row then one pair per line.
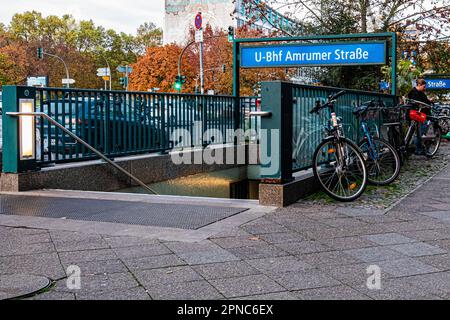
x,y
367,135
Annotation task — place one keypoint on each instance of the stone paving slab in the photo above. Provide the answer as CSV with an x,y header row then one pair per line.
x,y
304,247
155,262
138,293
225,270
209,256
18,285
417,249
308,279
277,296
42,264
99,267
278,265
142,251
246,286
405,267
282,237
374,254
167,275
193,290
331,293
396,289
259,251
386,239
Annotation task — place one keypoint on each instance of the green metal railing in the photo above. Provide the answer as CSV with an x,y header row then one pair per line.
x,y
301,132
308,129
120,123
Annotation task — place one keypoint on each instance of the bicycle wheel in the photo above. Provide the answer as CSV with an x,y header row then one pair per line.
x,y
432,139
444,124
339,167
382,161
396,141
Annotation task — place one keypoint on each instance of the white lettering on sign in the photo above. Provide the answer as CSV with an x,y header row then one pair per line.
x,y
437,85
289,57
358,54
308,56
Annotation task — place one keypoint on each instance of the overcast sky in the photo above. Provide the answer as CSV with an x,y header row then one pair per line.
x,y
119,15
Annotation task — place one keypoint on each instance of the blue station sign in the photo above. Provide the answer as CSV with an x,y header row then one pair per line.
x,y
438,84
324,54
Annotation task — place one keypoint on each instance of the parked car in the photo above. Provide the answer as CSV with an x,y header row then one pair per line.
x,y
92,121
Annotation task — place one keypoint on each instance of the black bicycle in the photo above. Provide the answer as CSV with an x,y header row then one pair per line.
x,y
429,126
338,163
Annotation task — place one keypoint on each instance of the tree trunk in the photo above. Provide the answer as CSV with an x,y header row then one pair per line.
x,y
364,7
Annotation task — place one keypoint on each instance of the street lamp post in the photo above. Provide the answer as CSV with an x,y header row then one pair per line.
x,y
180,58
110,73
65,66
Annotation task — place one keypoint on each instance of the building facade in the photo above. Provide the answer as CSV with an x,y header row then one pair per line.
x,y
180,14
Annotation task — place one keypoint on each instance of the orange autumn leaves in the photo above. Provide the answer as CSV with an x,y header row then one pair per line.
x,y
159,67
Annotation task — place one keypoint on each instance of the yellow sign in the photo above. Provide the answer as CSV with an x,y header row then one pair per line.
x,y
106,78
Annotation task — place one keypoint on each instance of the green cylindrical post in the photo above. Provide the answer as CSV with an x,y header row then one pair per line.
x,y
394,63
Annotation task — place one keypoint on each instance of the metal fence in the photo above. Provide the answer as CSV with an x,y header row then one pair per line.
x,y
308,129
120,123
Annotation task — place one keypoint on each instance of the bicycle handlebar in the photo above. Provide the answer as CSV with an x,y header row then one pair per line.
x,y
422,104
337,95
330,102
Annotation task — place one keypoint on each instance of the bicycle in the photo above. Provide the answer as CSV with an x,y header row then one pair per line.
x,y
443,113
338,163
430,139
382,160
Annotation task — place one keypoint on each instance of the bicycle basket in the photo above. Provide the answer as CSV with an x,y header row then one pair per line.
x,y
391,115
418,116
366,111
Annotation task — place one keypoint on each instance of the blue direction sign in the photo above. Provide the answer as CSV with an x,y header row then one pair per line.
x,y
384,85
324,54
438,84
123,69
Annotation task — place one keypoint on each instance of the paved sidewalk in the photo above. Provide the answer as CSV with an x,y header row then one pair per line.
x,y
306,251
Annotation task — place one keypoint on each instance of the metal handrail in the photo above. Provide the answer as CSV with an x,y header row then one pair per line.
x,y
101,155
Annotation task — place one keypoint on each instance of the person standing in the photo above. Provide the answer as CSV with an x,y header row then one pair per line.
x,y
418,94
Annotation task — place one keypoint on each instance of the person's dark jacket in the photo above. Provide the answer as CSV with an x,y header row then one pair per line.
x,y
417,95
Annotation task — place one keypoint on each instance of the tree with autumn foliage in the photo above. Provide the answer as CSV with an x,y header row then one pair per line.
x,y
84,47
159,66
158,69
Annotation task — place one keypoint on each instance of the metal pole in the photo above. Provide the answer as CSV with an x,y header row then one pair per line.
x,y
126,76
65,66
202,80
394,63
64,129
110,74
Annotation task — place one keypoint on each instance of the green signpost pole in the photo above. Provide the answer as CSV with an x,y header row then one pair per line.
x,y
394,63
236,84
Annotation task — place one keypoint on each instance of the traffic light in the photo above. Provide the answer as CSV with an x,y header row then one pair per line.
x,y
40,53
123,81
230,34
179,81
224,68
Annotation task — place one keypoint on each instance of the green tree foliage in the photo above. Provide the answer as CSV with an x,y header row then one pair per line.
x,y
406,74
83,45
429,18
